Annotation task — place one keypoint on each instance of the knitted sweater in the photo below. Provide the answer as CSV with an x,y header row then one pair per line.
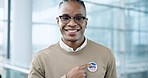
x,y
55,62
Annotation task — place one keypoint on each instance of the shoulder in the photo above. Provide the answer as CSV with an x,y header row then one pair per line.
x,y
105,52
100,49
97,45
46,51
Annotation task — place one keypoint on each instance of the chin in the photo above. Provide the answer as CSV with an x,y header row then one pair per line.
x,y
72,40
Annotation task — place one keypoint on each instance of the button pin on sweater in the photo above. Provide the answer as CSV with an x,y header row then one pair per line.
x,y
93,67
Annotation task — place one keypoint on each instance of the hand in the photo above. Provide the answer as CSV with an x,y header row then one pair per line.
x,y
77,72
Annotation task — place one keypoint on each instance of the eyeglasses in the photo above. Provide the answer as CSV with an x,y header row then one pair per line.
x,y
77,19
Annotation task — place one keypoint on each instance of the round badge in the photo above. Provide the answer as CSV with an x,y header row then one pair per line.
x,y
92,67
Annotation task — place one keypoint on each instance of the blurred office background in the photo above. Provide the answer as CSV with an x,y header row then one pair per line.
x,y
27,26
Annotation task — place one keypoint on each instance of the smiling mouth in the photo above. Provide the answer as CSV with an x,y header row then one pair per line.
x,y
72,30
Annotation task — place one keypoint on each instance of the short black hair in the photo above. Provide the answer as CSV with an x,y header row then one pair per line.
x,y
79,1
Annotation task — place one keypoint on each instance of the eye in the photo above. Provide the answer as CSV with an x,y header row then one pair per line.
x,y
65,18
78,18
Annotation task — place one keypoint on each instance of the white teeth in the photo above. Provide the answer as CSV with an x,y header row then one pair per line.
x,y
72,30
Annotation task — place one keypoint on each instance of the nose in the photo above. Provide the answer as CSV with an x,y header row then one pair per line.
x,y
72,23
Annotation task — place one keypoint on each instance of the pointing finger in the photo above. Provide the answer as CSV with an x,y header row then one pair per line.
x,y
84,66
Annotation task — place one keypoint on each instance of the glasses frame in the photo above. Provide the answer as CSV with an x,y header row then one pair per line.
x,y
75,18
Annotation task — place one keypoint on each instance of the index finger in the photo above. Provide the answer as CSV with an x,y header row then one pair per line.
x,y
84,66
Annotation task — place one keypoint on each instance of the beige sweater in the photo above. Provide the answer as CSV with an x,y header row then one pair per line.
x,y
54,62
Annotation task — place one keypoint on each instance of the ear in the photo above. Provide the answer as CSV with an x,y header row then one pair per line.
x,y
57,19
86,20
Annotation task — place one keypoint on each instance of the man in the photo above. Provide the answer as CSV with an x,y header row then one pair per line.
x,y
74,56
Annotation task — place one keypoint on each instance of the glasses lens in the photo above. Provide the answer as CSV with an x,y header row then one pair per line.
x,y
79,19
65,19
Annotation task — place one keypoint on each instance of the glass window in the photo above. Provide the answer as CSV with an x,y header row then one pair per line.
x,y
44,35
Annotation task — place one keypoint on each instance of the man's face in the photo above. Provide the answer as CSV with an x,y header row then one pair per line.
x,y
72,21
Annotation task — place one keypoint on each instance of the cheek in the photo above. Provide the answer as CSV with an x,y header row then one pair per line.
x,y
84,26
61,25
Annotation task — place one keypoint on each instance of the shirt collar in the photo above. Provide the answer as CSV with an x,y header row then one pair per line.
x,y
69,49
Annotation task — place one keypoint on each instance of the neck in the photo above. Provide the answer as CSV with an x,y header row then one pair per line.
x,y
74,44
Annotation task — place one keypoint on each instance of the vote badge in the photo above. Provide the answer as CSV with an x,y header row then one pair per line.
x,y
92,67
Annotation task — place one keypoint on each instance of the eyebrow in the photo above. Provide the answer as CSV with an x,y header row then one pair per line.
x,y
64,15
69,15
78,15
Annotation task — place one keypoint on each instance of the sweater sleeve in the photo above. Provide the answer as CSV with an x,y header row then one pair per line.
x,y
36,70
111,67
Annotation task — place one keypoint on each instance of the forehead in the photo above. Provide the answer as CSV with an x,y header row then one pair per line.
x,y
71,8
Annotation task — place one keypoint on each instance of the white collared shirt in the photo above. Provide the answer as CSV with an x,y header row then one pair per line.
x,y
69,49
